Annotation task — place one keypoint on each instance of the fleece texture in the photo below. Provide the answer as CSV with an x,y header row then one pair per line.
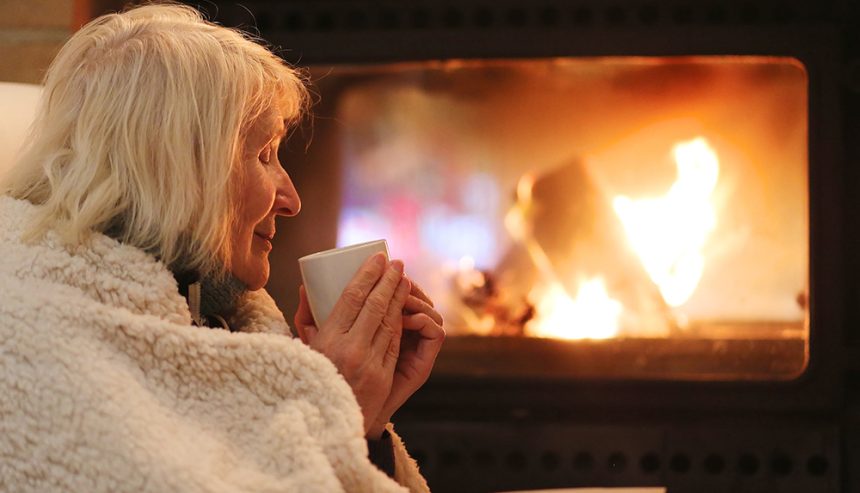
x,y
106,386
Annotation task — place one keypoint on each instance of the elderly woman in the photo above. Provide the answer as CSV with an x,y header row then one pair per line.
x,y
138,350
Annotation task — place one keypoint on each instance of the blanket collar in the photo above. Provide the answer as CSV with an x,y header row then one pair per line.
x,y
114,274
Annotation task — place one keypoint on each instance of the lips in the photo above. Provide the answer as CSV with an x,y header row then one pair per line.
x,y
265,236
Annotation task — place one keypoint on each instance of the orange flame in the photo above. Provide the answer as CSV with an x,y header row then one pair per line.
x,y
592,314
668,233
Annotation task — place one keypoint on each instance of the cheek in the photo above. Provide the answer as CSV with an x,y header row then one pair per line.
x,y
257,198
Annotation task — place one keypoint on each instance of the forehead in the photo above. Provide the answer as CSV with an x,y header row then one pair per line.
x,y
267,125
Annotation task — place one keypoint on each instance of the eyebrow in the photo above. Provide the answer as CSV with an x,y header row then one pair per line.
x,y
282,129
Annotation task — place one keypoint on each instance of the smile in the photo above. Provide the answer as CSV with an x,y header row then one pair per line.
x,y
267,241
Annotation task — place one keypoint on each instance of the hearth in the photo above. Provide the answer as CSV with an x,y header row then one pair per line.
x,y
635,215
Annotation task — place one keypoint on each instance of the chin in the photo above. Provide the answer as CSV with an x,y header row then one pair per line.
x,y
255,277
258,281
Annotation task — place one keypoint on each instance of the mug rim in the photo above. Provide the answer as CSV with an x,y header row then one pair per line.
x,y
329,252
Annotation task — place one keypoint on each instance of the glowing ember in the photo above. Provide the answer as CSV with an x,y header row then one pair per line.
x,y
669,232
592,314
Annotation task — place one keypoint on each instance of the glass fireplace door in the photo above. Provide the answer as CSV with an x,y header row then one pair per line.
x,y
590,218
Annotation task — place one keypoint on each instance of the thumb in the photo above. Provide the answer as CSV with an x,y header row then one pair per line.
x,y
431,336
304,319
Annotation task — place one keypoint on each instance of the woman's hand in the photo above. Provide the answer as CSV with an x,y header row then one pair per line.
x,y
363,333
420,344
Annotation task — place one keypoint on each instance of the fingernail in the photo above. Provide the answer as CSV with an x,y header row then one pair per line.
x,y
379,260
397,265
403,287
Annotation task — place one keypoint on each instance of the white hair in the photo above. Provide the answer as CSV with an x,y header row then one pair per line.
x,y
139,130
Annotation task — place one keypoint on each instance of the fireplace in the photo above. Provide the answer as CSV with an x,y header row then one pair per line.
x,y
634,215
612,217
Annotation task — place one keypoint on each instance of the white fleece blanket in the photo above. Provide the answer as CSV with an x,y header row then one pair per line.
x,y
106,386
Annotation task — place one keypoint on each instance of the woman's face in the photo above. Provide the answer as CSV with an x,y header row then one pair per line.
x,y
265,191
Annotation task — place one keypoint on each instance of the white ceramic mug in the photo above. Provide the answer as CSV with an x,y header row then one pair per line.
x,y
325,274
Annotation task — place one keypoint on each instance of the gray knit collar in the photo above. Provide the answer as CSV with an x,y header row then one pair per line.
x,y
211,300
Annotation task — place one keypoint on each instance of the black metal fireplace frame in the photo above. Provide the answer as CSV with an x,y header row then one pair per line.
x,y
491,434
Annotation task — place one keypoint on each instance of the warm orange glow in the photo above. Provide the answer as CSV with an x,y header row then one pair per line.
x,y
668,233
524,188
592,314
515,220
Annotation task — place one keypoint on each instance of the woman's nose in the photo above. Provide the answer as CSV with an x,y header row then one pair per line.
x,y
287,200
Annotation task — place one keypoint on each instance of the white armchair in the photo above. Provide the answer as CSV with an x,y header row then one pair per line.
x,y
17,109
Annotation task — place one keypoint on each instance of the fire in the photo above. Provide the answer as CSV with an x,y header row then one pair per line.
x,y
515,220
668,233
592,314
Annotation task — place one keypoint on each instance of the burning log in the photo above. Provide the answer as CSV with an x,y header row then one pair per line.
x,y
490,311
570,235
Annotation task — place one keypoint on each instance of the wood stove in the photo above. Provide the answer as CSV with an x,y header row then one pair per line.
x,y
746,378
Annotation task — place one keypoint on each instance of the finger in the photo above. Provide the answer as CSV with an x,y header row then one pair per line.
x,y
310,333
304,320
415,305
353,298
432,335
303,313
376,305
420,294
386,341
